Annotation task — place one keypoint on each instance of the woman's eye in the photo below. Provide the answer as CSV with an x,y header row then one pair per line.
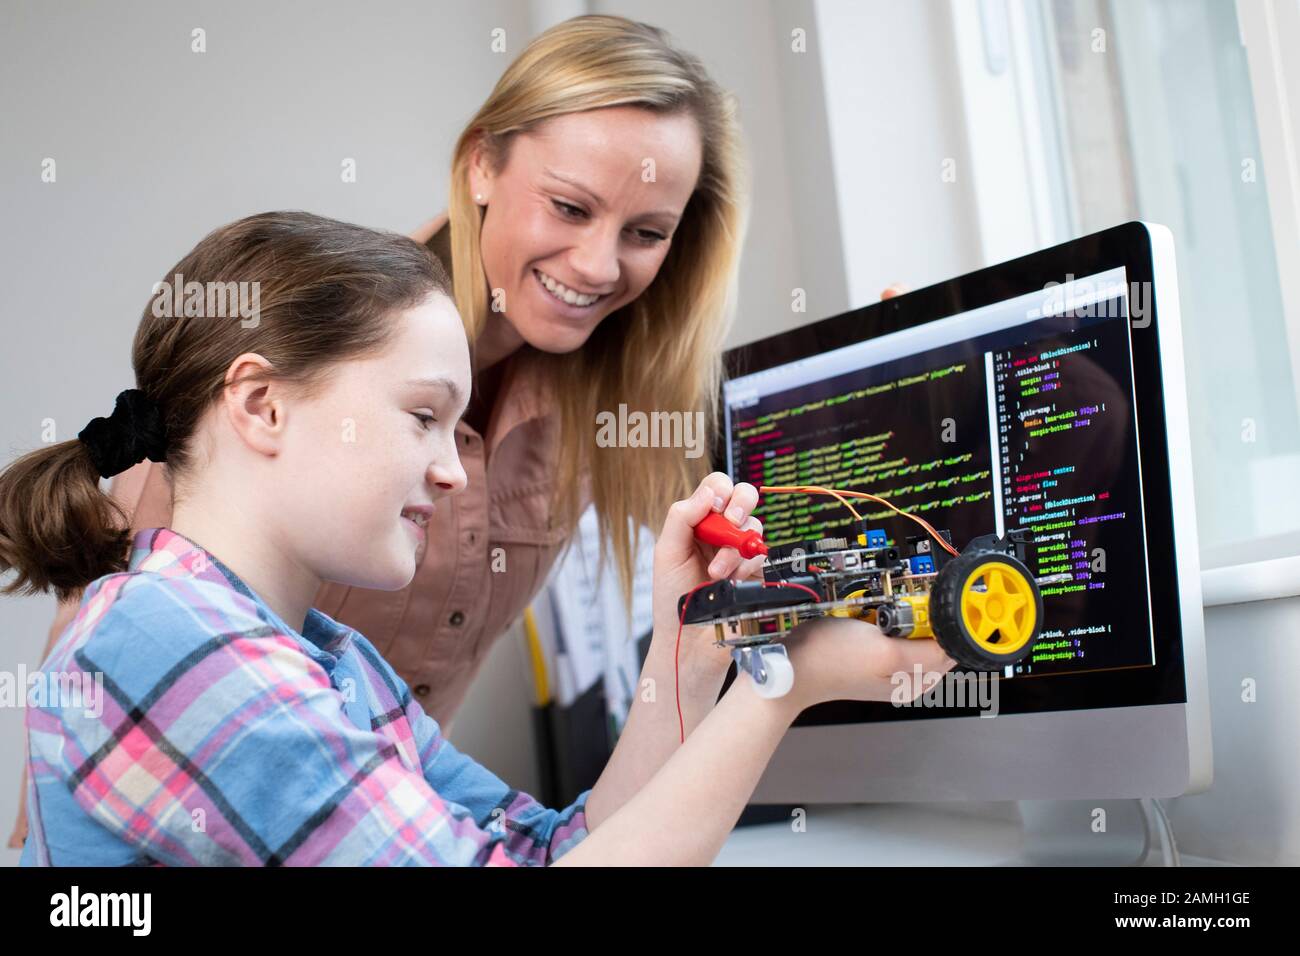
x,y
568,209
645,237
425,420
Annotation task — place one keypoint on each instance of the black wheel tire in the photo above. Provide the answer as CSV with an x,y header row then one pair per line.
x,y
945,612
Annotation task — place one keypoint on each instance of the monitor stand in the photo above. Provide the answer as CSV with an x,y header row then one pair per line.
x,y
1083,833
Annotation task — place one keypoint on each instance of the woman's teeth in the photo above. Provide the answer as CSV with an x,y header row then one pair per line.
x,y
422,520
560,291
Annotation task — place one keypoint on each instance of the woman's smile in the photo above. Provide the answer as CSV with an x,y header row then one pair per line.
x,y
568,301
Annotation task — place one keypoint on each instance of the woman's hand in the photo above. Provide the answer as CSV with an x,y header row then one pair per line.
x,y
848,659
681,563
425,231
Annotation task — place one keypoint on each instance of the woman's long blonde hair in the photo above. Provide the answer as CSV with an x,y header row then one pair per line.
x,y
661,352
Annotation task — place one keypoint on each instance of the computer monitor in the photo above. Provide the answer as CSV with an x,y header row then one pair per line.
x,y
1045,393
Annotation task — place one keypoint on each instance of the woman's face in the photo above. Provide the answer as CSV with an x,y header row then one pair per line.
x,y
580,219
377,449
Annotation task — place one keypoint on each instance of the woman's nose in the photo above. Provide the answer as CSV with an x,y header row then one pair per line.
x,y
595,260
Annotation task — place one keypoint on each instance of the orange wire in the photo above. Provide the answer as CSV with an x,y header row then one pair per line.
x,y
838,492
817,489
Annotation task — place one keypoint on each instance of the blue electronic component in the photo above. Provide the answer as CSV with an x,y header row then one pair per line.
x,y
877,539
921,564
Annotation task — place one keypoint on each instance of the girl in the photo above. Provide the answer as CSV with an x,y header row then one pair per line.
x,y
238,724
608,161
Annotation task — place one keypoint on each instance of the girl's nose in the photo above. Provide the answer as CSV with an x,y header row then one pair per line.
x,y
448,476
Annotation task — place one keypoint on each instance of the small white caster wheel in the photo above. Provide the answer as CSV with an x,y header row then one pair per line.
x,y
769,667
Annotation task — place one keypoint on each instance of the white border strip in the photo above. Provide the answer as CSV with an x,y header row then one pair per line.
x,y
1244,583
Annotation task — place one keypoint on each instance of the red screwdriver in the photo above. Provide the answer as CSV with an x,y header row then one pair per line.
x,y
718,531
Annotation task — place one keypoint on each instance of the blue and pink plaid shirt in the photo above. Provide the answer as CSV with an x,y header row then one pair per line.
x,y
224,737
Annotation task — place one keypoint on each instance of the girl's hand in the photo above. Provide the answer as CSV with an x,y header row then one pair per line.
x,y
848,659
681,562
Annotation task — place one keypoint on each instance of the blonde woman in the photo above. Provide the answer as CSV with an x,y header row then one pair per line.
x,y
596,211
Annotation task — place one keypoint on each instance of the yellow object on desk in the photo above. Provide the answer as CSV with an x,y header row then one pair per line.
x,y
537,658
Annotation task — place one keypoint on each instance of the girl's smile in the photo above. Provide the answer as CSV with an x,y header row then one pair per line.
x,y
417,518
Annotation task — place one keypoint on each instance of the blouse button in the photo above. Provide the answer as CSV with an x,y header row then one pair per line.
x,y
421,690
457,619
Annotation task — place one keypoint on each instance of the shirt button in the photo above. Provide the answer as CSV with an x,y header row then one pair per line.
x,y
457,619
421,690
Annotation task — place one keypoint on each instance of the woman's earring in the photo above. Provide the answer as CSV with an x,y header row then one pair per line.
x,y
478,198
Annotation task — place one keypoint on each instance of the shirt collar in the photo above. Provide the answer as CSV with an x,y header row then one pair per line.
x,y
166,552
520,399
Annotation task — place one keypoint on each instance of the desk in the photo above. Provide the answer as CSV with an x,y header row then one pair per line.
x,y
891,834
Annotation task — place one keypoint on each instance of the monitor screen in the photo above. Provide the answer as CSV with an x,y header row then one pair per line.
x,y
1021,413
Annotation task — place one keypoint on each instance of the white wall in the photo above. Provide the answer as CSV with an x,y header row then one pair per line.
x,y
895,117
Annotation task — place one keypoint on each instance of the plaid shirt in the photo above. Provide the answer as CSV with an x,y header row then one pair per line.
x,y
225,737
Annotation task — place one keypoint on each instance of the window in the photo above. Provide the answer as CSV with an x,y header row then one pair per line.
x,y
1170,111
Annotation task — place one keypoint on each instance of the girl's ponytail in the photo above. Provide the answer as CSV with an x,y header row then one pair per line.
x,y
58,530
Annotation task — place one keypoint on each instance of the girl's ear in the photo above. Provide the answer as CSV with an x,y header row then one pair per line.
x,y
253,403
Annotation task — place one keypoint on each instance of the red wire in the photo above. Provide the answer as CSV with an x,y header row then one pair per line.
x,y
677,680
790,584
681,624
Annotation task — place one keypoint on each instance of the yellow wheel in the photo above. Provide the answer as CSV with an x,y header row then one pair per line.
x,y
986,610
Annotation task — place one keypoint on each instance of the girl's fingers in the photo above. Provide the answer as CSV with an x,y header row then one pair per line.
x,y
743,500
678,538
715,493
721,486
727,563
724,564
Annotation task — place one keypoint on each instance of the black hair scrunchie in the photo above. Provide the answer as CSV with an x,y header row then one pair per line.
x,y
135,431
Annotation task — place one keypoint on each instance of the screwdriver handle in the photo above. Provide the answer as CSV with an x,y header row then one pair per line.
x,y
716,530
